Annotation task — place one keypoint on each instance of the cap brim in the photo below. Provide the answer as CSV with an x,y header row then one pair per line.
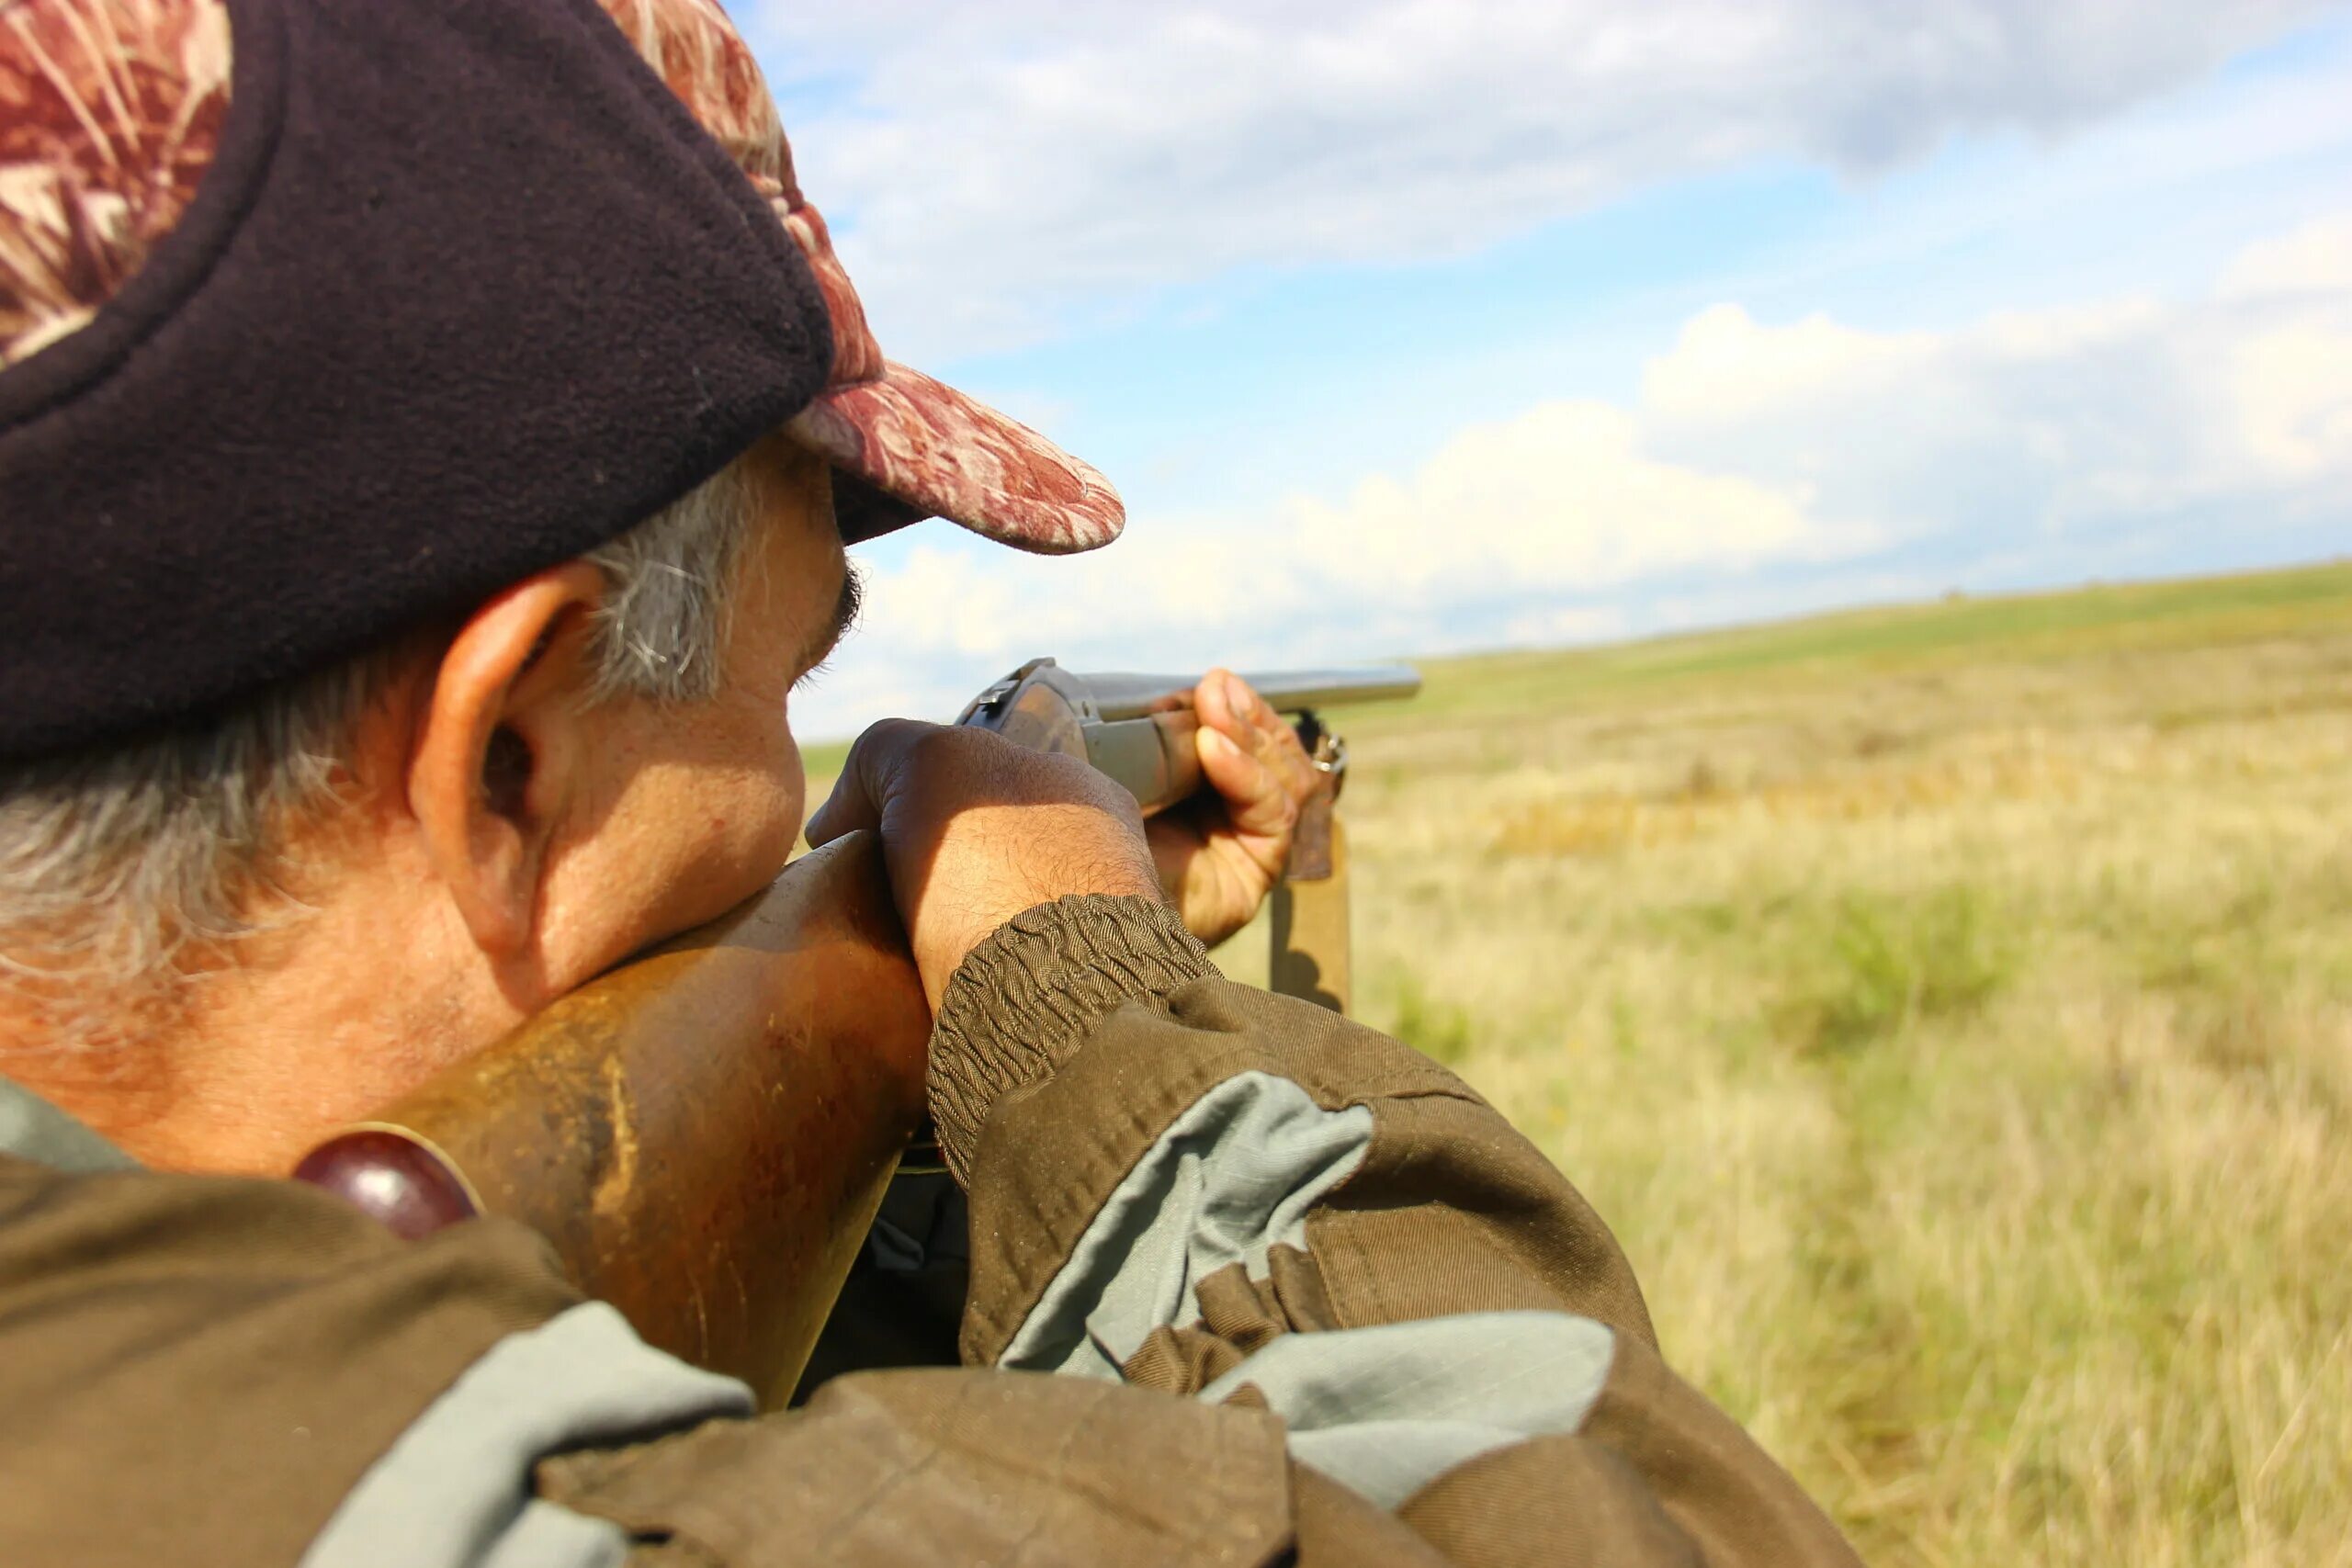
x,y
934,452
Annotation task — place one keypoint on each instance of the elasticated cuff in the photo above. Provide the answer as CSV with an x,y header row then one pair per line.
x,y
1025,998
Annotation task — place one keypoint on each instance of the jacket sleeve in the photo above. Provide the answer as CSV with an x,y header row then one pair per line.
x,y
1197,1188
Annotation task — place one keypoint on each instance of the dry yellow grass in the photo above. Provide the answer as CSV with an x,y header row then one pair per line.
x,y
1958,1036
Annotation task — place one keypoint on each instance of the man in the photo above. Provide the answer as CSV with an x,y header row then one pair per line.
x,y
429,432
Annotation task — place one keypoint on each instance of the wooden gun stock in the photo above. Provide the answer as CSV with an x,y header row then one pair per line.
x,y
703,1134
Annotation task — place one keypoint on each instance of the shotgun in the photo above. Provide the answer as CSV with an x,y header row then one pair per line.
x,y
705,1133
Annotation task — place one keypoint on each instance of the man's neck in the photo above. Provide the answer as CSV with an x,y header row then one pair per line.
x,y
312,1026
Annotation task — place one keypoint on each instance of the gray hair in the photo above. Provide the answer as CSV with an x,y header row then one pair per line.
x,y
117,864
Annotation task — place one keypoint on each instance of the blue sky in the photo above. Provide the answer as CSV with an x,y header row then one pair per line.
x,y
1410,326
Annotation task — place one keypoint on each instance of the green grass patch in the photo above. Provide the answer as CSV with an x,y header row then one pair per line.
x,y
1438,1030
1950,632
1879,967
824,759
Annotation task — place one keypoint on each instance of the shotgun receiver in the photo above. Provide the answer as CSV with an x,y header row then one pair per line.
x,y
705,1133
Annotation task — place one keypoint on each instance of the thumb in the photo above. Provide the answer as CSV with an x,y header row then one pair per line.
x,y
868,778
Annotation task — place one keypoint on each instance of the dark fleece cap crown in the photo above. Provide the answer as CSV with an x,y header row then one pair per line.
x,y
464,292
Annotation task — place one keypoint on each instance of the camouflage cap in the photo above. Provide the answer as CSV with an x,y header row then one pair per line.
x,y
452,267
925,444
113,109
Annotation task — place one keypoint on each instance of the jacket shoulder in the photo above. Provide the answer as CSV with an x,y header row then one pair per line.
x,y
198,1368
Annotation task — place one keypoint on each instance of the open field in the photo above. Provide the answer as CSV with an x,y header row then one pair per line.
x,y
1952,1008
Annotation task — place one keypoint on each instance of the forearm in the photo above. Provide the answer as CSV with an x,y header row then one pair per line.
x,y
1199,1187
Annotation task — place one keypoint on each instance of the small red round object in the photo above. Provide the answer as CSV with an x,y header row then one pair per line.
x,y
404,1183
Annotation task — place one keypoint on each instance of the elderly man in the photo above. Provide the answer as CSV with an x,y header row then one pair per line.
x,y
429,434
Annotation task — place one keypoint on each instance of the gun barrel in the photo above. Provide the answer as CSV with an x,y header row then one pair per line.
x,y
1119,695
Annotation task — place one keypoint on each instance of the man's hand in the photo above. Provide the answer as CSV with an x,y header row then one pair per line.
x,y
1220,854
975,830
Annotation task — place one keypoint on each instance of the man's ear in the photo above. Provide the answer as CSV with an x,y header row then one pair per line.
x,y
500,749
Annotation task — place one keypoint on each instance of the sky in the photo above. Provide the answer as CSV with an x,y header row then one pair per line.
x,y
1409,327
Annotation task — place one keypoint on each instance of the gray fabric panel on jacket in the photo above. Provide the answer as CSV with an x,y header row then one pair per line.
x,y
544,1535
1387,1410
1232,1177
31,1128
455,1489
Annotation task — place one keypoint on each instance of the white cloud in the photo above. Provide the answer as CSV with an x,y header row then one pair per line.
x,y
1563,499
995,166
1560,627
1758,463
2292,377
2089,419
2314,259
1506,534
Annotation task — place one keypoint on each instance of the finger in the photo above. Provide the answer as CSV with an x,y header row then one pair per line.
x,y
868,778
1256,802
1251,722
1255,723
1213,704
1228,707
847,810
1234,770
1249,707
1270,737
1234,710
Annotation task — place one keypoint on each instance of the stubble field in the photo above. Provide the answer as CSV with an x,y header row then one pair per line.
x,y
1950,1008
